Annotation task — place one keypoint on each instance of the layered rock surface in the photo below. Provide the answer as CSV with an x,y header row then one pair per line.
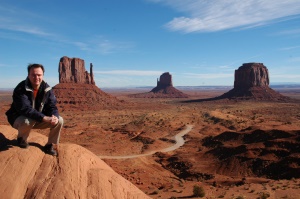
x,y
83,97
252,82
77,87
75,173
72,70
164,89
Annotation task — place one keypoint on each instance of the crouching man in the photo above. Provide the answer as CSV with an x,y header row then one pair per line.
x,y
34,107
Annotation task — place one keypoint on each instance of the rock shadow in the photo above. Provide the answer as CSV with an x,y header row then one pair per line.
x,y
6,144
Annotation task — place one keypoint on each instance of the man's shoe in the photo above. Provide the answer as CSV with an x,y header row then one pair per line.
x,y
48,148
22,143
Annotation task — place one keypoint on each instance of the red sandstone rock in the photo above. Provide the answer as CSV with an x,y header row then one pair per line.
x,y
165,80
164,89
251,74
75,173
77,89
83,96
252,82
72,70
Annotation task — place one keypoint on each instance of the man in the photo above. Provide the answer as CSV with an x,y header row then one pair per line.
x,y
34,107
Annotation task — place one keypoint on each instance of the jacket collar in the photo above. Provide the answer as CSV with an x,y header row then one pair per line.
x,y
44,86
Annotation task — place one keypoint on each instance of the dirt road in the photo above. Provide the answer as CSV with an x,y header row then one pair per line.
x,y
179,142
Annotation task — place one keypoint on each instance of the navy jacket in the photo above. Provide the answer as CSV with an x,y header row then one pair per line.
x,y
24,103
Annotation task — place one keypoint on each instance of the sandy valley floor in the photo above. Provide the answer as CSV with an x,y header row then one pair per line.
x,y
245,149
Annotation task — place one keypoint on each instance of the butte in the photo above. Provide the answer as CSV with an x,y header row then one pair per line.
x,y
77,89
252,82
164,89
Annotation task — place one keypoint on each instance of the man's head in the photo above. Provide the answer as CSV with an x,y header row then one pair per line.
x,y
35,74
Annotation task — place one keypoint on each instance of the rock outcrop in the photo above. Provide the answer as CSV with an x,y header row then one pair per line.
x,y
164,80
72,70
250,75
164,89
252,82
77,89
75,173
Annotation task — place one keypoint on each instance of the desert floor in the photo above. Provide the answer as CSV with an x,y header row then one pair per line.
x,y
224,166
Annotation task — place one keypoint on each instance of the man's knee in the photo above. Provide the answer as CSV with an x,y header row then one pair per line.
x,y
60,120
23,122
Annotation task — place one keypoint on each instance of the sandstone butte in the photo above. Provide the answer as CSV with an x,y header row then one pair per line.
x,y
77,89
251,81
75,173
164,89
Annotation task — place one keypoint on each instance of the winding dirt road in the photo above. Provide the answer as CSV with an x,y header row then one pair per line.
x,y
179,142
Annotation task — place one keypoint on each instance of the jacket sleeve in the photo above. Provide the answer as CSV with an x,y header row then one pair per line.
x,y
50,105
23,105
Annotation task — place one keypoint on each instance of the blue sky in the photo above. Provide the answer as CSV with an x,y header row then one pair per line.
x,y
132,42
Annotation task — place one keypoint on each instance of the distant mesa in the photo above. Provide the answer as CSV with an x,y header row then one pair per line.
x,y
252,82
164,89
77,87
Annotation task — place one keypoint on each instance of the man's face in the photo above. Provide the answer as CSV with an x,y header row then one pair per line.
x,y
36,77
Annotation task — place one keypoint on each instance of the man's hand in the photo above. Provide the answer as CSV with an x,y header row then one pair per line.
x,y
53,119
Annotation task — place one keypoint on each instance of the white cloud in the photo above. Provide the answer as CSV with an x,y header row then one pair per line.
x,y
290,32
290,48
25,29
208,75
216,15
18,20
130,72
101,45
286,76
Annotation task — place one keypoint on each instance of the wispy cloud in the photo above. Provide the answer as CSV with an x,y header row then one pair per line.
x,y
208,75
25,29
130,72
290,32
15,20
289,48
286,76
216,15
106,46
18,20
101,45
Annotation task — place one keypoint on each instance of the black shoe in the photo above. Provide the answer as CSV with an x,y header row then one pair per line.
x,y
22,143
48,148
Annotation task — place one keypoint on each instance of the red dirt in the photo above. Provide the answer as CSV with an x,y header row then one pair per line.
x,y
244,148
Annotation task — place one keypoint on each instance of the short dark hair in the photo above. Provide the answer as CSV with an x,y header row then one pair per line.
x,y
30,66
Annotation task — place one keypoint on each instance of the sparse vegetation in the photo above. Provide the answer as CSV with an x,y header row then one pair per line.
x,y
107,132
264,195
198,191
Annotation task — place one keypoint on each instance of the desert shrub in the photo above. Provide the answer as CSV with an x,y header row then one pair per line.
x,y
154,192
198,191
264,195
